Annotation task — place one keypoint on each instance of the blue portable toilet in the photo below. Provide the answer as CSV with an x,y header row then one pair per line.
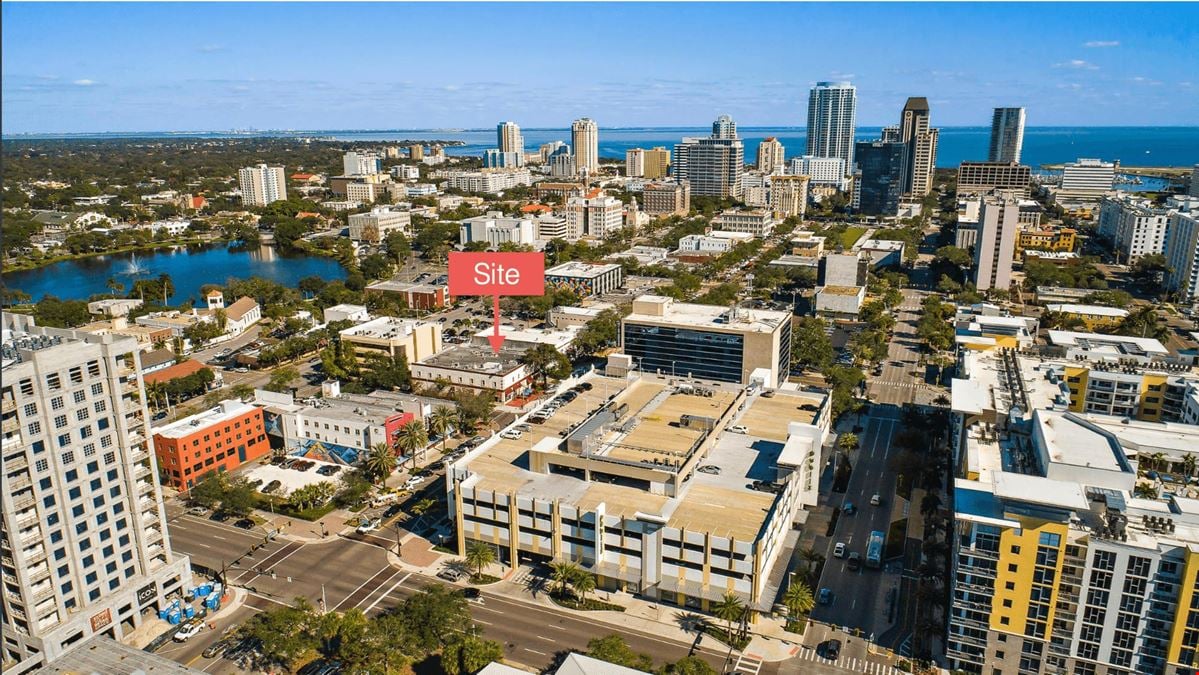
x,y
213,602
174,617
189,611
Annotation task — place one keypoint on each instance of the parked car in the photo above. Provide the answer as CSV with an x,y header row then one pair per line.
x,y
188,630
450,574
709,468
413,482
839,550
739,429
197,510
220,647
245,524
271,486
511,434
328,469
392,510
369,525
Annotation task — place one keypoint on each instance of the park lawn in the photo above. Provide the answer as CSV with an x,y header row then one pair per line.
x,y
851,235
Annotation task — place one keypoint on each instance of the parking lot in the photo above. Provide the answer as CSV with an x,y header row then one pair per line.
x,y
291,479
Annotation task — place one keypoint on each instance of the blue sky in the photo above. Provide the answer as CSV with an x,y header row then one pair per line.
x,y
158,67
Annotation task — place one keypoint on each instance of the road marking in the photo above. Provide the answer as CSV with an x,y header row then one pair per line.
x,y
556,626
380,598
534,651
368,580
485,623
542,637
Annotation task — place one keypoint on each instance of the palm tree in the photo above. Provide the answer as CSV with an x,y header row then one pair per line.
x,y
1158,460
584,583
1188,465
729,609
847,441
798,597
479,555
380,462
114,287
811,557
441,421
564,573
412,437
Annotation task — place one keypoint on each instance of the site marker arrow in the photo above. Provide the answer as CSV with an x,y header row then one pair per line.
x,y
495,338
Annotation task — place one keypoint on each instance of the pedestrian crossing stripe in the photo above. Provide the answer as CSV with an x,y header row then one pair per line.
x,y
849,663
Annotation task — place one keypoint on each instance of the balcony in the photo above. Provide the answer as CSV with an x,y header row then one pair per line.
x,y
20,482
23,501
7,404
16,463
26,519
37,556
31,536
138,454
36,575
142,471
44,593
130,386
10,425
8,578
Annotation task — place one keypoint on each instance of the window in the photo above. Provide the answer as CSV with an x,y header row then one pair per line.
x,y
30,409
106,442
81,414
1007,603
35,428
85,432
110,457
102,423
97,389
100,406
64,440
68,457
41,465
1049,539
89,449
56,403
80,396
1015,550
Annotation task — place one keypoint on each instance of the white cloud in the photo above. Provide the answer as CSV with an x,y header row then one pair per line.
x,y
85,83
209,49
1077,64
1101,43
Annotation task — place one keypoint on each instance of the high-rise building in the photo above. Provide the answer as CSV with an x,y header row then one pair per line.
x,y
562,162
770,155
1194,192
879,185
1007,135
657,163
832,108
914,131
494,158
982,177
260,185
508,138
361,163
594,215
85,546
416,152
550,148
713,166
584,138
667,199
1086,179
1182,254
822,170
788,196
994,250
1133,226
724,127
634,163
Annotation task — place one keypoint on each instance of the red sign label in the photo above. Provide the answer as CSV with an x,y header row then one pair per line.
x,y
497,273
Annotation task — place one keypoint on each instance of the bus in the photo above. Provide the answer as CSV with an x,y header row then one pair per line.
x,y
874,549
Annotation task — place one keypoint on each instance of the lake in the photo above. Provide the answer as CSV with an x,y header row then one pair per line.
x,y
190,268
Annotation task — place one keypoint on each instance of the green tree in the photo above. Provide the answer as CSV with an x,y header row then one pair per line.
x,y
584,583
352,488
238,497
545,361
379,462
55,313
283,634
442,421
469,654
798,597
474,408
434,616
811,346
689,665
208,491
479,555
282,378
1144,322
729,609
412,438
564,573
847,441
380,371
613,649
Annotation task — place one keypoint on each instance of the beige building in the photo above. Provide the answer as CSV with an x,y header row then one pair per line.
x,y
634,163
657,163
982,177
770,156
758,222
789,196
707,341
667,199
260,185
995,249
389,336
584,139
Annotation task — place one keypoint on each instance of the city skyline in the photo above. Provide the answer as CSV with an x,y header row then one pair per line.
x,y
1126,67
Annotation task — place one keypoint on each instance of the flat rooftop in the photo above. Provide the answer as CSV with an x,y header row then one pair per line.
x,y
227,410
395,286
659,309
1107,345
992,383
1070,439
475,358
724,504
1090,310
581,270
560,339
841,290
382,328
102,655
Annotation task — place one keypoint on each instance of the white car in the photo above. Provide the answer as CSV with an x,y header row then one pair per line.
x,y
189,630
511,434
369,526
413,482
839,550
739,429
876,500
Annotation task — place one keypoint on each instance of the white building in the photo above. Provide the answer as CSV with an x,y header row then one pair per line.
x,y
771,156
584,138
1086,179
822,170
405,172
85,545
1007,135
1182,251
758,222
595,216
346,312
374,226
509,140
832,107
173,226
634,163
361,163
716,241
789,196
995,248
487,181
261,185
1133,226
495,229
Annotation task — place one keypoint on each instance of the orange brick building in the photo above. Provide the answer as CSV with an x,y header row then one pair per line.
x,y
220,439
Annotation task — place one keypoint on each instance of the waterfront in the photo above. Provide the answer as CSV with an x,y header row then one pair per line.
x,y
1133,146
189,267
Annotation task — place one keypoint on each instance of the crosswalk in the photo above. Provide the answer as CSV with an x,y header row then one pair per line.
x,y
849,663
748,664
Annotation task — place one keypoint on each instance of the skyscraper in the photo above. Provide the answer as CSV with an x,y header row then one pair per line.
x,y
657,162
1194,191
584,138
789,196
360,163
921,140
879,184
998,222
1007,135
724,127
262,184
770,155
85,546
713,166
634,162
508,138
832,110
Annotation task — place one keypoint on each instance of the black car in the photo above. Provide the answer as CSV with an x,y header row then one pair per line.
x,y
220,516
854,561
832,650
219,647
392,510
470,593
328,470
245,524
271,486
